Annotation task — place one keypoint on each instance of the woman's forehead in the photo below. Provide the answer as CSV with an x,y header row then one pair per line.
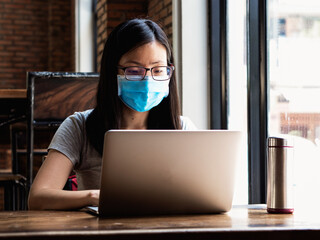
x,y
149,53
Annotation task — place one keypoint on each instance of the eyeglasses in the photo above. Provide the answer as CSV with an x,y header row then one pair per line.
x,y
159,73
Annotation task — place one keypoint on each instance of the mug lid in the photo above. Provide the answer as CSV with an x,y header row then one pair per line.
x,y
280,142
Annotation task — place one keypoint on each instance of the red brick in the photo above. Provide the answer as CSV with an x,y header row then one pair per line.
x,y
152,3
24,43
114,14
130,15
167,2
99,4
5,42
168,21
104,17
4,76
113,23
5,21
23,65
163,13
14,6
5,64
15,48
104,35
129,6
34,6
5,32
22,1
158,6
12,70
17,59
100,12
23,22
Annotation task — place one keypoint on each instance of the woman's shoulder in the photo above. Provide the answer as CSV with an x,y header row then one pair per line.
x,y
75,121
79,117
70,138
187,124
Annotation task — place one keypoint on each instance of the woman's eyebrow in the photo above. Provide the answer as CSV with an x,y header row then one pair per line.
x,y
158,62
133,62
140,64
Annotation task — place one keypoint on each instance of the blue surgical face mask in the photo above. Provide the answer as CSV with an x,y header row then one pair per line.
x,y
142,95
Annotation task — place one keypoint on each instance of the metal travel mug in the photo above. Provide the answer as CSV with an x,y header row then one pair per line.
x,y
280,175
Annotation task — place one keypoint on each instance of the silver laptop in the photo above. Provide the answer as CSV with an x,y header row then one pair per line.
x,y
152,172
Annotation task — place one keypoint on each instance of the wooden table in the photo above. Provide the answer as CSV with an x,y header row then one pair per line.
x,y
13,93
241,222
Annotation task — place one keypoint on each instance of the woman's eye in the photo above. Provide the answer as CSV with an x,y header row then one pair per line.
x,y
132,71
158,71
135,71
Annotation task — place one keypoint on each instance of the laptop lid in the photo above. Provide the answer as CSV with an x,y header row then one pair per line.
x,y
168,171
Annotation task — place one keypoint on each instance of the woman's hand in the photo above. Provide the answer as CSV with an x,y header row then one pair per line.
x,y
94,197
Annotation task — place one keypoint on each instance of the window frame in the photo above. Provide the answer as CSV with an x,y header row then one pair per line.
x,y
257,93
257,87
218,69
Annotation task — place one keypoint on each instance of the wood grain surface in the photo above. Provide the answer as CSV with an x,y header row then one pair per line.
x,y
57,98
239,223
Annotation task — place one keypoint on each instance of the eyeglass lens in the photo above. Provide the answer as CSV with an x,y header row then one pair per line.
x,y
158,73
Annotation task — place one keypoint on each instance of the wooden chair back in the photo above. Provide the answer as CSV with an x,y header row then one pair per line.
x,y
55,96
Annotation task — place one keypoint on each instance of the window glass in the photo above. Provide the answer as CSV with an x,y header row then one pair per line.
x,y
237,89
293,43
85,47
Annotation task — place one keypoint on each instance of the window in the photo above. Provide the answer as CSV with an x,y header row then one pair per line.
x,y
237,88
294,86
85,46
228,79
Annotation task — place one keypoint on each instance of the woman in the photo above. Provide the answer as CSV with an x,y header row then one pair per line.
x,y
137,90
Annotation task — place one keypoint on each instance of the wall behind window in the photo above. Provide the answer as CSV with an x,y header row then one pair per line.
x,y
195,84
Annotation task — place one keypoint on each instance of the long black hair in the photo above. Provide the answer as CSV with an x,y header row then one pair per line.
x,y
108,111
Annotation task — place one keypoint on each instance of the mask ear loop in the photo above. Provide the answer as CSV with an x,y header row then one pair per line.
x,y
171,65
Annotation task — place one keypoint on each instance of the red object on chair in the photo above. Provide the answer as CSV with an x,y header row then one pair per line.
x,y
71,184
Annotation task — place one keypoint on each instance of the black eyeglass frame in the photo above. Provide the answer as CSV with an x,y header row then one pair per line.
x,y
145,72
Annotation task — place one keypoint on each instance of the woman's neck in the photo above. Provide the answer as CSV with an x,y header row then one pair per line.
x,y
134,120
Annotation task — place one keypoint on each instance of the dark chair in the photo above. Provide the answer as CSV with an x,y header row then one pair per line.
x,y
13,108
14,191
52,96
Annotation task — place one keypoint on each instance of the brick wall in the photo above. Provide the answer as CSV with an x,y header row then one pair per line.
x,y
160,11
35,35
72,34
60,35
112,12
101,13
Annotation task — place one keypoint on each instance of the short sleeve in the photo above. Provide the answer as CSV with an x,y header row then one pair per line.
x,y
68,139
187,124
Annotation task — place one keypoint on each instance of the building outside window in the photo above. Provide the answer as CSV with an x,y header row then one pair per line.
x,y
293,47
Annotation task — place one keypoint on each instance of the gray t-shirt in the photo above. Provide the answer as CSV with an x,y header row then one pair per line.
x,y
71,140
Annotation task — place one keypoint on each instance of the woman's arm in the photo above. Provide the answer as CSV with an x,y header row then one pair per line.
x,y
46,191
